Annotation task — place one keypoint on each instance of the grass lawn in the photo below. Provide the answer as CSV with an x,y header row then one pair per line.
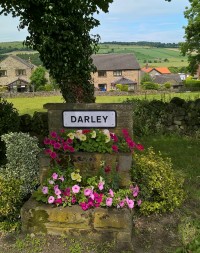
x,y
30,105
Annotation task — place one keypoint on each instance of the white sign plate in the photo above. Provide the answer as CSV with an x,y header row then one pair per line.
x,y
89,119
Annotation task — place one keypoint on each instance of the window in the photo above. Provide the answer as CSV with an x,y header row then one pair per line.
x,y
101,73
20,72
117,73
102,86
3,73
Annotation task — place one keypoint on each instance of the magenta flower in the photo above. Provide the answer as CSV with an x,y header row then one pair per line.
x,y
55,176
57,191
75,189
125,133
47,141
53,155
73,200
51,200
53,134
115,148
130,203
67,192
101,186
109,201
84,206
58,201
57,145
87,192
114,137
45,190
69,141
140,147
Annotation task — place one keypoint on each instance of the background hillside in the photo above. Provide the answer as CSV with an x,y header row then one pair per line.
x,y
154,53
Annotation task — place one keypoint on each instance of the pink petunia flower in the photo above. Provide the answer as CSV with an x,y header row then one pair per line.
x,y
109,201
55,176
122,203
130,203
45,190
111,193
47,141
75,189
61,178
66,192
51,200
135,191
139,202
101,186
57,191
55,187
87,192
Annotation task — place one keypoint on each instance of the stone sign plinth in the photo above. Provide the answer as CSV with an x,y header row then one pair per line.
x,y
98,224
95,225
123,115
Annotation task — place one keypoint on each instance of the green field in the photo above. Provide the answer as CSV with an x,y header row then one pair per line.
x,y
155,56
168,57
30,105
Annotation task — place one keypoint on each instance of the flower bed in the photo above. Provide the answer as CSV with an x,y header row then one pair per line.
x,y
67,184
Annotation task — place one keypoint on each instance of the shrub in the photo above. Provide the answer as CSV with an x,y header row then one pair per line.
x,y
191,83
10,198
118,86
150,86
146,78
167,85
9,122
160,187
124,87
48,87
21,152
40,123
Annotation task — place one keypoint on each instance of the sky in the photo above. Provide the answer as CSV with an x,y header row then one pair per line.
x,y
127,20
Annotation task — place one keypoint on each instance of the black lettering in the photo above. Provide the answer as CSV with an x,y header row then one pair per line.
x,y
92,120
73,119
105,118
80,119
87,119
98,119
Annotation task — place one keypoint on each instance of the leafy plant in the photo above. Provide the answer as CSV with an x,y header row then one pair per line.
x,y
21,153
9,122
161,188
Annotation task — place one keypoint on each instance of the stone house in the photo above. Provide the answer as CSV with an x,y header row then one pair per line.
x,y
15,73
156,71
111,67
173,79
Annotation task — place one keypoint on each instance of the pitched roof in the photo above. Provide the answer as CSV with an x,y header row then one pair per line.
x,y
161,70
124,80
28,64
115,62
161,79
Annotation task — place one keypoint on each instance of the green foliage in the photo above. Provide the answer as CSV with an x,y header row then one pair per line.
x,y
21,152
33,58
167,85
192,83
10,197
65,45
39,123
150,86
191,45
9,121
160,187
48,87
146,78
122,87
38,77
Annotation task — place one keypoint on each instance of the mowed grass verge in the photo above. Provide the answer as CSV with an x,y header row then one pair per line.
x,y
32,104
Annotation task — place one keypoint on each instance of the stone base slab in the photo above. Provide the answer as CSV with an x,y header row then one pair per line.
x,y
99,224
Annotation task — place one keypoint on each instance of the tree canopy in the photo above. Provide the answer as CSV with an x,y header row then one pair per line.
x,y
59,31
191,46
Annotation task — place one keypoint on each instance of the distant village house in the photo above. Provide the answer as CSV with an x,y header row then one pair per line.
x,y
115,69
